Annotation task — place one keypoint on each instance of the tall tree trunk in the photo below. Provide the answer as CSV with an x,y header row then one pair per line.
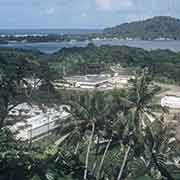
x,y
88,151
137,119
96,156
77,147
124,163
1,122
4,110
103,158
164,172
3,116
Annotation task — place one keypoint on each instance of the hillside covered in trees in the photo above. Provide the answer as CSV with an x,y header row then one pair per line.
x,y
109,136
150,29
164,64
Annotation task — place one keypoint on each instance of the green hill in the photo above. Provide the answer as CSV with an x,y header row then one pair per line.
x,y
150,29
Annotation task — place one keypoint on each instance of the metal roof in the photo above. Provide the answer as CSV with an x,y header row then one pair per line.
x,y
88,78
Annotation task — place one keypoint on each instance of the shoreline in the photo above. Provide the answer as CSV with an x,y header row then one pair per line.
x,y
54,46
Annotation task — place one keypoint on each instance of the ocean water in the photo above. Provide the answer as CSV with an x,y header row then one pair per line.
x,y
52,47
47,31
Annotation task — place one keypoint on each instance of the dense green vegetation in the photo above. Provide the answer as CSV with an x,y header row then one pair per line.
x,y
110,136
150,29
164,64
16,66
154,28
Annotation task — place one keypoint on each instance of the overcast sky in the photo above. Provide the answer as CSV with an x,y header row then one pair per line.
x,y
81,13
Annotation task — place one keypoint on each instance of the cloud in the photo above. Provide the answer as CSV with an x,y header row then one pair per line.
x,y
103,4
111,5
84,14
81,13
50,11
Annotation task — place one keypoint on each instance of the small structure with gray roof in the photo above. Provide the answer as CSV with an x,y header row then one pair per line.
x,y
89,81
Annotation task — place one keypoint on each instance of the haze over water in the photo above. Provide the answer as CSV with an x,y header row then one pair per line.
x,y
47,31
52,47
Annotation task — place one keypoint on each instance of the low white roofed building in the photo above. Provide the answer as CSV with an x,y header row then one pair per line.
x,y
120,80
89,81
95,81
171,102
35,122
25,109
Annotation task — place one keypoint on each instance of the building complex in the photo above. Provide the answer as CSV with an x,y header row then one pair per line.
x,y
94,81
35,122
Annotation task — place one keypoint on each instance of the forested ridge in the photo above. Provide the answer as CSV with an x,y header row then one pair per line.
x,y
150,29
109,136
158,27
163,63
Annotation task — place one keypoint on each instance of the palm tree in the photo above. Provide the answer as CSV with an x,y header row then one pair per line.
x,y
103,158
161,143
158,158
118,134
124,163
137,101
18,161
141,95
127,141
89,111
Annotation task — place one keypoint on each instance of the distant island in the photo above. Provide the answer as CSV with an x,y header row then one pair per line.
x,y
156,28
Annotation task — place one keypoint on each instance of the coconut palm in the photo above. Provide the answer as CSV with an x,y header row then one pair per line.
x,y
118,136
160,141
89,112
141,95
159,157
137,101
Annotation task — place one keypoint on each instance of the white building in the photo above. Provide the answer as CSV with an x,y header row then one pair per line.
x,y
36,122
95,81
120,80
171,102
89,81
25,109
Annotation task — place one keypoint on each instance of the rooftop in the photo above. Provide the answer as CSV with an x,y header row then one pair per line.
x,y
171,102
88,78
